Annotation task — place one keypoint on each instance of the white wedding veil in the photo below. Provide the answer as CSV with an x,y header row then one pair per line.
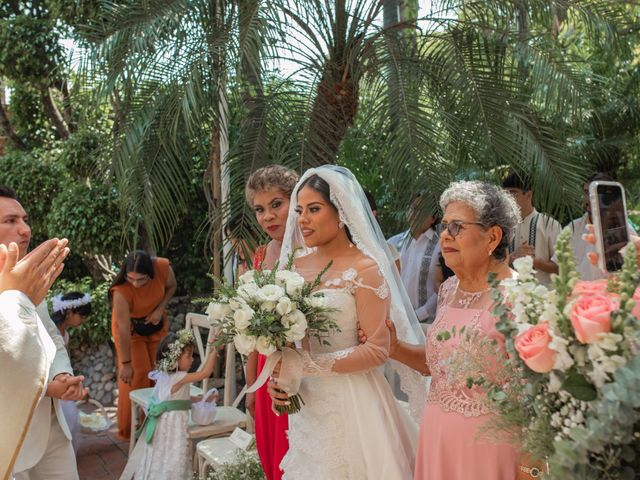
x,y
348,197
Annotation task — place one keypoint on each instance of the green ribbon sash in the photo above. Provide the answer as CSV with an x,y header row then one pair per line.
x,y
154,412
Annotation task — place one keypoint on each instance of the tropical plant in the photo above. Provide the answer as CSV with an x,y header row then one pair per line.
x,y
468,90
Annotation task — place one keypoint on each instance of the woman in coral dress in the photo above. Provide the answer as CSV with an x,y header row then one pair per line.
x,y
139,296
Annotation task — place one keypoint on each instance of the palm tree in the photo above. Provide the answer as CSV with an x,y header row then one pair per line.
x,y
483,86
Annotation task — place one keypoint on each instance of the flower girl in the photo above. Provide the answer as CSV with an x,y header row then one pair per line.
x,y
70,310
163,451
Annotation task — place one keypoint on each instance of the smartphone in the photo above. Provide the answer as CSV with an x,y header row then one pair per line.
x,y
609,215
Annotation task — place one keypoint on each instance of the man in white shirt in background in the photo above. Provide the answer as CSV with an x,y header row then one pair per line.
x,y
578,227
536,234
419,259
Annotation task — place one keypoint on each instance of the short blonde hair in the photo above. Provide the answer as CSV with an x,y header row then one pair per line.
x,y
268,178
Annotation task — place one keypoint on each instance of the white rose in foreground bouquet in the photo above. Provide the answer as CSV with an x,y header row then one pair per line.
x,y
568,392
267,312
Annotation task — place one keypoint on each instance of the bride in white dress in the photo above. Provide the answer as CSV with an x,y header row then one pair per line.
x,y
351,426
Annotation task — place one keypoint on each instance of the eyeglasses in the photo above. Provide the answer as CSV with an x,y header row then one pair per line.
x,y
454,227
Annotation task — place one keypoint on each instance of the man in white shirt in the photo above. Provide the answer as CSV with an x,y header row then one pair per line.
x,y
419,260
46,452
536,234
26,350
578,227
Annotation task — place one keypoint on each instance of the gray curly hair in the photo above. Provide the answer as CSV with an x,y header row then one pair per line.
x,y
492,206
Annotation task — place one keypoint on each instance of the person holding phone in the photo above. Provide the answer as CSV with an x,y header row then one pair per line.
x,y
578,227
139,294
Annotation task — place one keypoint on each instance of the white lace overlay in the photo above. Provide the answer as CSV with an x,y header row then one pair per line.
x,y
168,456
351,427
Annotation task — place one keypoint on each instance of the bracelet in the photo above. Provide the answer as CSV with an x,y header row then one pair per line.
x,y
534,472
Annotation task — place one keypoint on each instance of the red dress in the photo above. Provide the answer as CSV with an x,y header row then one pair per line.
x,y
271,429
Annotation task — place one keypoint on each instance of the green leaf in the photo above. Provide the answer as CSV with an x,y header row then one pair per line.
x,y
579,387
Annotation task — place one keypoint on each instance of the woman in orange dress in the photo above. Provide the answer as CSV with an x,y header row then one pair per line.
x,y
268,191
138,295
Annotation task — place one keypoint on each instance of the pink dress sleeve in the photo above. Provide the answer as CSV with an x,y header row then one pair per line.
x,y
372,305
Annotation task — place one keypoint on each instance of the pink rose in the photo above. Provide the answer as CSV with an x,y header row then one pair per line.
x,y
636,298
585,287
533,348
590,316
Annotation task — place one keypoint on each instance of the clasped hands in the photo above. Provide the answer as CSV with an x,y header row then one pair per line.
x,y
67,387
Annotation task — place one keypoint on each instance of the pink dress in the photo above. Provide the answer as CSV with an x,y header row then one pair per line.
x,y
450,445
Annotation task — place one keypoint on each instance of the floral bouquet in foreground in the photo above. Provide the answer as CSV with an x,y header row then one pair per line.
x,y
268,311
573,367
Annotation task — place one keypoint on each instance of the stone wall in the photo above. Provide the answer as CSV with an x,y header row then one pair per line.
x,y
98,362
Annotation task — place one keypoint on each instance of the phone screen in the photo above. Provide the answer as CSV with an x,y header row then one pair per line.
x,y
613,222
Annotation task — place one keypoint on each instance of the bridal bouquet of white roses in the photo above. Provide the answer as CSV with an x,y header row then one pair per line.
x,y
569,388
270,310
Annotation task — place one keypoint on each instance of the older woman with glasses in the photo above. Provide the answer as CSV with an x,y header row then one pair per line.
x,y
478,223
139,295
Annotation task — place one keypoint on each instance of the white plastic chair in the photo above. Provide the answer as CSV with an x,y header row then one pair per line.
x,y
215,452
228,417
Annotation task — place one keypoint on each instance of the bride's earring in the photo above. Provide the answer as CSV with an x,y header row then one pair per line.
x,y
340,224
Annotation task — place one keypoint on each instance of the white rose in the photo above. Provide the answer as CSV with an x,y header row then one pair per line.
x,y
244,344
242,318
264,346
317,301
270,293
295,318
217,311
268,306
237,303
247,277
282,276
248,291
296,332
284,306
295,284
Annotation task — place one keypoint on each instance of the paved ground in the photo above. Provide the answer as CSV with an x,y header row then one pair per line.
x,y
101,456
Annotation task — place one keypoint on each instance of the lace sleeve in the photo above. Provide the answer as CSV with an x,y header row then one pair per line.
x,y
372,306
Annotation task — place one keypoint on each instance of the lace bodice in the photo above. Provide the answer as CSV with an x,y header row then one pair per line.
x,y
359,299
448,387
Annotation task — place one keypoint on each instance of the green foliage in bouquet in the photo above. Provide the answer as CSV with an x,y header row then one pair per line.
x,y
607,445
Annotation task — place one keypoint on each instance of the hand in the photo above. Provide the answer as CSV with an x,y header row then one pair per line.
x,y
525,250
278,397
155,317
591,238
67,387
362,337
36,272
126,373
393,338
250,403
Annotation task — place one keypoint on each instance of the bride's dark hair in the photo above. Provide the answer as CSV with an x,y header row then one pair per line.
x,y
318,184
